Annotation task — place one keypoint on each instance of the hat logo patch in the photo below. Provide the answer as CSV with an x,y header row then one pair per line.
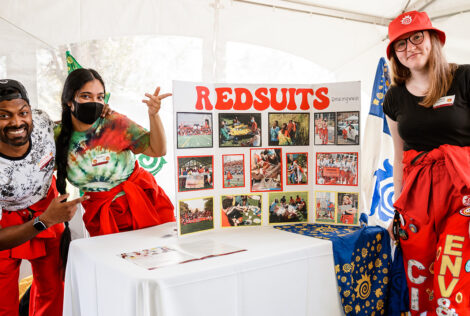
x,y
406,20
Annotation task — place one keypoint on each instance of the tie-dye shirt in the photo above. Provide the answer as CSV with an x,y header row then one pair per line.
x,y
102,157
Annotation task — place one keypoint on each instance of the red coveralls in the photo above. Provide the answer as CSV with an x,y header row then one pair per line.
x,y
145,204
435,205
47,290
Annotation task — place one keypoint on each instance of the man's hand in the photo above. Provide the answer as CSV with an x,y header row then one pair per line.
x,y
60,211
106,110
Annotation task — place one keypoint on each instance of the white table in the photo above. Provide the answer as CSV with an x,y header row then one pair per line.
x,y
281,273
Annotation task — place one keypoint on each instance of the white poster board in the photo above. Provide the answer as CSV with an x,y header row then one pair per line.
x,y
252,155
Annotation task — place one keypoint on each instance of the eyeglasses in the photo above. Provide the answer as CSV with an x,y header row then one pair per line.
x,y
415,39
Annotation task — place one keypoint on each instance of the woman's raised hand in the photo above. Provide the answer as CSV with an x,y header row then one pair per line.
x,y
154,101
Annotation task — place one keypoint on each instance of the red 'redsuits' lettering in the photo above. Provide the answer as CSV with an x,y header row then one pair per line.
x,y
223,102
323,101
203,95
242,105
305,92
278,106
292,106
261,95
242,99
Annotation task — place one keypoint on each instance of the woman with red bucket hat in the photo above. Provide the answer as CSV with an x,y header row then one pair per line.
x,y
428,112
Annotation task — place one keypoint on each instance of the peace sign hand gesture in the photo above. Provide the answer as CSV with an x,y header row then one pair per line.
x,y
154,102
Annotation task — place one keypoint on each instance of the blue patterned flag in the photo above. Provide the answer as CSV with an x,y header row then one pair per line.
x,y
377,155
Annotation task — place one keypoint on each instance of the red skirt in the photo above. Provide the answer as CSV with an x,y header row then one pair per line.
x,y
144,204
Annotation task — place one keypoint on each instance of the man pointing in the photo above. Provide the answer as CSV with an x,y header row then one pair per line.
x,y
30,211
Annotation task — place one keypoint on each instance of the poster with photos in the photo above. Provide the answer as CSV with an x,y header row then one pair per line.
x,y
195,173
297,168
240,129
347,128
233,171
289,129
348,203
288,207
250,155
325,128
195,215
265,169
241,210
325,207
194,130
339,168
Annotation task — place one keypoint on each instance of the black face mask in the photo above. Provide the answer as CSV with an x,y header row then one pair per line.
x,y
87,112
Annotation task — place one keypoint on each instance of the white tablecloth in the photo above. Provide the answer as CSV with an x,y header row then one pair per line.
x,y
281,273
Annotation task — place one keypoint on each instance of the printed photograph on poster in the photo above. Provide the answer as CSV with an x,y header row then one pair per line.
x,y
194,130
288,207
241,210
325,128
325,207
239,130
265,170
347,208
347,128
297,168
233,170
196,214
336,168
195,173
289,129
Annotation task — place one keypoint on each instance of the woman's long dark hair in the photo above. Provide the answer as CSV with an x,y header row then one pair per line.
x,y
75,80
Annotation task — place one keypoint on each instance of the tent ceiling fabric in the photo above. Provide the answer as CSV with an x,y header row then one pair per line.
x,y
350,49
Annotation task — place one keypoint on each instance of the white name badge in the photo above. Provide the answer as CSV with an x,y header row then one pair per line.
x,y
444,101
100,160
45,160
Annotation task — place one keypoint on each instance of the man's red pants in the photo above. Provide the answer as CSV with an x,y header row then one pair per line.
x,y
47,290
435,205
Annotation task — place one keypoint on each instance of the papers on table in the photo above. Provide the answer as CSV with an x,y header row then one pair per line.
x,y
161,256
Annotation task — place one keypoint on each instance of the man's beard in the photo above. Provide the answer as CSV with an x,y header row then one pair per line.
x,y
16,141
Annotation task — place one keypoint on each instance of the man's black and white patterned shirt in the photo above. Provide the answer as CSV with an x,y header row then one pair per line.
x,y
26,180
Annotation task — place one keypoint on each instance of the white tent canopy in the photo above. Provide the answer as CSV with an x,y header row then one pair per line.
x,y
138,44
345,37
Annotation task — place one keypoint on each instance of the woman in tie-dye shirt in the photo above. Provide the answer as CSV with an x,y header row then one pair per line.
x,y
97,155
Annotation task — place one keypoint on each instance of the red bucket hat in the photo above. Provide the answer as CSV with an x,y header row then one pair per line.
x,y
410,22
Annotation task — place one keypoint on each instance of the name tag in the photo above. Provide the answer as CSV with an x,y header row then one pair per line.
x,y
100,160
45,160
444,101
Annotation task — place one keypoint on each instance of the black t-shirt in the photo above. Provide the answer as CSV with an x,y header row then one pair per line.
x,y
424,129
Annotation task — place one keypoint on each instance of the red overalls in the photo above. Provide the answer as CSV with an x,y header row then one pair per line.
x,y
435,205
47,290
144,204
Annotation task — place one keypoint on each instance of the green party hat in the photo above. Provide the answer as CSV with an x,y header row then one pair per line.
x,y
73,64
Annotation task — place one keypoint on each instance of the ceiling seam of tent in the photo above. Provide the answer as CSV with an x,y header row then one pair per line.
x,y
28,33
419,5
303,7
